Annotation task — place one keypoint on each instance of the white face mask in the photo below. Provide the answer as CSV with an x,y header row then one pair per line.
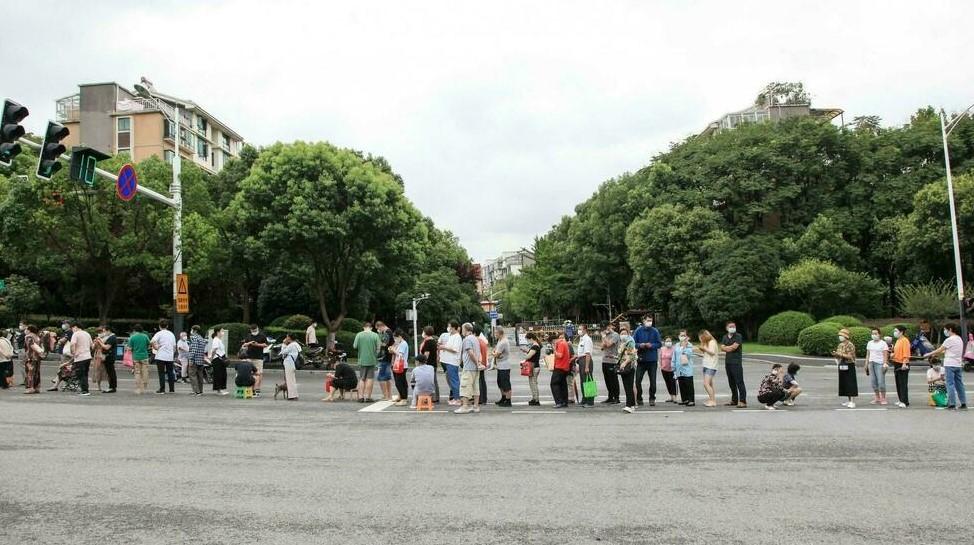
x,y
731,330
683,337
254,331
668,344
875,337
946,333
648,323
896,333
841,338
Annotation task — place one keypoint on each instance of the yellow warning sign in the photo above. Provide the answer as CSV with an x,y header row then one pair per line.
x,y
182,294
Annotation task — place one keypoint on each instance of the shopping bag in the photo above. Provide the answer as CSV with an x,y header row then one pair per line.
x,y
399,366
527,368
549,362
939,398
589,388
127,359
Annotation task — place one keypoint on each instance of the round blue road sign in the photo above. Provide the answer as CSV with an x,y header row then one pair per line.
x,y
127,183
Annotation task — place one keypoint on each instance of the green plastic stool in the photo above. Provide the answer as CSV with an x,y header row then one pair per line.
x,y
244,392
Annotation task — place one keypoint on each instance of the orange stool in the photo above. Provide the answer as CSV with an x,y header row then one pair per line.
x,y
424,403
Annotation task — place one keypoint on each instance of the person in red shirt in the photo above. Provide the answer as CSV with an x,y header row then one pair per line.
x,y
563,367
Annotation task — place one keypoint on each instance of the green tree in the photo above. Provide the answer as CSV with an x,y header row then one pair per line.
x,y
20,296
823,240
336,219
823,288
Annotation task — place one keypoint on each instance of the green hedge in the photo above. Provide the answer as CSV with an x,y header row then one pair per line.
x,y
279,332
844,319
345,338
235,333
279,321
859,335
351,324
297,321
783,328
819,339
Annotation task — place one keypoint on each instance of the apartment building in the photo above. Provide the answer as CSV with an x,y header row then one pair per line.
x,y
762,113
114,119
507,265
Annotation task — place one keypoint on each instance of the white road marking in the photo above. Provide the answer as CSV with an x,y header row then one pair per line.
x,y
862,409
538,412
377,407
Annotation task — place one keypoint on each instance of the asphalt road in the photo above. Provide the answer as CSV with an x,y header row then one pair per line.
x,y
177,469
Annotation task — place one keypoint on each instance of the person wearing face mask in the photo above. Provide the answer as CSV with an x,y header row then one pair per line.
x,y
182,356
731,344
877,362
666,367
627,367
901,366
771,391
610,364
648,343
254,344
682,361
845,359
952,349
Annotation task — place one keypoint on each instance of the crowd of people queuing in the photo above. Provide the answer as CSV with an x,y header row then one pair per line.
x,y
631,363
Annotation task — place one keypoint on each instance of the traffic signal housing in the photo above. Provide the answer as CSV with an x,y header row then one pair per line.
x,y
51,150
11,131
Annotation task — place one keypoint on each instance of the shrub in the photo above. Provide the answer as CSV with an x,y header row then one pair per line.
x,y
931,301
911,329
859,335
297,321
838,325
279,321
844,319
279,332
824,288
235,335
819,339
783,328
346,338
351,324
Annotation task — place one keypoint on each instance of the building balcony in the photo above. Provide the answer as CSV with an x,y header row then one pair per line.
x,y
69,109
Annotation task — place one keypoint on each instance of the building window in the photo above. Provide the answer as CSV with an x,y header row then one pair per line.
x,y
186,138
226,142
169,131
202,148
123,136
168,156
201,125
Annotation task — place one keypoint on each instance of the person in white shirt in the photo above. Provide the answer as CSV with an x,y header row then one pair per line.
x,y
583,355
182,356
953,351
289,353
311,335
501,355
164,345
81,355
877,362
217,356
449,354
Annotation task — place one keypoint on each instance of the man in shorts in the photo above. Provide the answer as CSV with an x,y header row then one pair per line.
x,y
470,376
254,344
367,344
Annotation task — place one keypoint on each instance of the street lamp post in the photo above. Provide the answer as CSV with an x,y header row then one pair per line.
x,y
417,299
176,190
946,126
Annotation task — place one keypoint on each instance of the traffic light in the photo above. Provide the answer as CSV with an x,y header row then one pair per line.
x,y
83,162
51,150
10,131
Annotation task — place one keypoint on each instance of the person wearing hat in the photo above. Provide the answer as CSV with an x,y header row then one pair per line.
x,y
845,358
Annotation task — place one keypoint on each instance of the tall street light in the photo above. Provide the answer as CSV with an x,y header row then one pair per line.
x,y
946,127
144,90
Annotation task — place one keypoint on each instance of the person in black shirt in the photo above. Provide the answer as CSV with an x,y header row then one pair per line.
x,y
427,354
254,345
343,380
734,365
108,343
247,374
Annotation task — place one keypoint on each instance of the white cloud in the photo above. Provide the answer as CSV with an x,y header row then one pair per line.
x,y
500,116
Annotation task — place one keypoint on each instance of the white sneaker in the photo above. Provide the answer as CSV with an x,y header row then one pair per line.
x,y
629,410
851,405
395,399
901,405
224,392
476,408
770,407
845,403
789,403
463,410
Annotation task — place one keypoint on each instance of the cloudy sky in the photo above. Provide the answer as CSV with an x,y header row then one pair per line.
x,y
501,116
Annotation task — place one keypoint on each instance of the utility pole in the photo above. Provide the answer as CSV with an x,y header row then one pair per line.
x,y
417,299
945,129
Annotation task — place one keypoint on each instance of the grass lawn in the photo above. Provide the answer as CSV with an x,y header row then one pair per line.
x,y
755,348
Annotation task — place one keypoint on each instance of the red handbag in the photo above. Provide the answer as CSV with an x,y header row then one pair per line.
x,y
399,366
527,368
